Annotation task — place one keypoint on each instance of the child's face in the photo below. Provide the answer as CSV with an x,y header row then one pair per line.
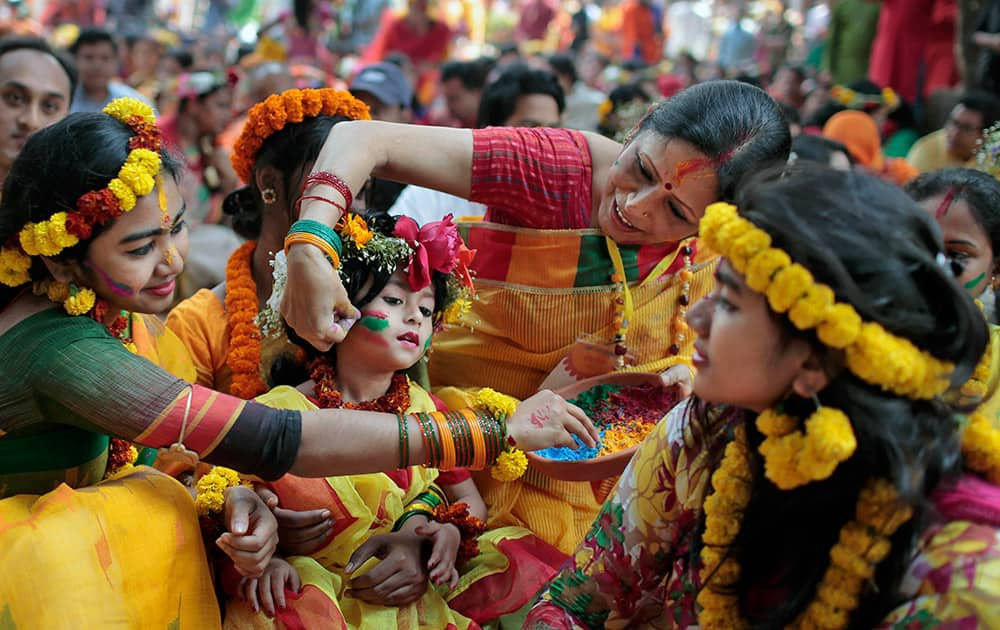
x,y
394,329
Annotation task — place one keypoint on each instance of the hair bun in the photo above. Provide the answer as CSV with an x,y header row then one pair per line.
x,y
242,206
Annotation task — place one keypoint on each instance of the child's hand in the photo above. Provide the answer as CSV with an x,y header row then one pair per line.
x,y
267,592
446,539
299,533
398,579
252,532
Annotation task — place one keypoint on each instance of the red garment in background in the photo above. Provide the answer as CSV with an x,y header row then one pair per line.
x,y
397,35
535,18
914,35
640,32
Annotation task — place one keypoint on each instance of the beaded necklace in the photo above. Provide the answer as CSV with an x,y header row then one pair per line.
x,y
624,305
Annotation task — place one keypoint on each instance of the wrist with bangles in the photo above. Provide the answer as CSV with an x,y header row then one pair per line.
x,y
317,233
470,438
434,505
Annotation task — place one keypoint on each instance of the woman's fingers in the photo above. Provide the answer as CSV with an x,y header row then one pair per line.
x,y
315,303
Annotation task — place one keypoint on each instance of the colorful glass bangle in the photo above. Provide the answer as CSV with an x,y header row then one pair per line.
x,y
325,232
407,515
298,204
448,461
331,180
312,239
404,442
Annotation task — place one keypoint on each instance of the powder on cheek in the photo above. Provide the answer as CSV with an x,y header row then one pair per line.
x,y
374,320
972,283
370,335
116,287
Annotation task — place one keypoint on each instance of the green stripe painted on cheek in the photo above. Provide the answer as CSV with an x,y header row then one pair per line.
x,y
374,324
972,283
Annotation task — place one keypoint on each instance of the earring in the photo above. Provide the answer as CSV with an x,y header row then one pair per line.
x,y
268,196
793,457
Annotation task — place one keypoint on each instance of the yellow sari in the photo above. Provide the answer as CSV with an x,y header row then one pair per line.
x,y
112,554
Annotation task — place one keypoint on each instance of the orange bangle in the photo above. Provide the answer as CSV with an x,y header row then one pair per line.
x,y
311,239
448,461
478,442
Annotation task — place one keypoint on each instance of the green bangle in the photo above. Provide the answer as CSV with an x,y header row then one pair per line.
x,y
408,515
323,231
404,442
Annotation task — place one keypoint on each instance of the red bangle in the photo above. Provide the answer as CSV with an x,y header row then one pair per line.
x,y
298,204
329,179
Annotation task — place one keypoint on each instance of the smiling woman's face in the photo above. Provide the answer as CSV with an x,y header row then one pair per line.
x,y
134,263
657,191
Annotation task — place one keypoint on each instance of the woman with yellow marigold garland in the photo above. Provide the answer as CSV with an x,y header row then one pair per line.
x,y
466,578
92,220
811,480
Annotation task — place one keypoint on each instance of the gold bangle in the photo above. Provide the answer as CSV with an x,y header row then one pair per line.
x,y
311,239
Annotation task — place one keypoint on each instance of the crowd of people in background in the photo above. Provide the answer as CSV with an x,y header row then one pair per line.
x,y
924,94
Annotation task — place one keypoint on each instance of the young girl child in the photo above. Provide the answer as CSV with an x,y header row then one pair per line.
x,y
406,281
809,482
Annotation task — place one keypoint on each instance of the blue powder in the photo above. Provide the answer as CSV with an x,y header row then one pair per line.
x,y
566,454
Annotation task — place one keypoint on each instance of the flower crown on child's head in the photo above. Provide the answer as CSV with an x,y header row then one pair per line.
x,y
67,227
434,247
291,106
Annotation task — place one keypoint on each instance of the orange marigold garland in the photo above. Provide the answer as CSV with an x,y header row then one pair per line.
x,y
470,527
291,106
324,377
244,335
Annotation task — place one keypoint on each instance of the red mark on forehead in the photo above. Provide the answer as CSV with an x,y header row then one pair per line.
x,y
699,167
945,204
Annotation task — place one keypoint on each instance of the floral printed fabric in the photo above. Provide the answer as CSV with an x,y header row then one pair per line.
x,y
635,556
633,567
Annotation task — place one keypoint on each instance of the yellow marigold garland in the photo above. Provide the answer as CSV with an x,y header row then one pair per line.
x,y
724,508
873,354
980,439
291,106
212,489
793,458
512,463
863,543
